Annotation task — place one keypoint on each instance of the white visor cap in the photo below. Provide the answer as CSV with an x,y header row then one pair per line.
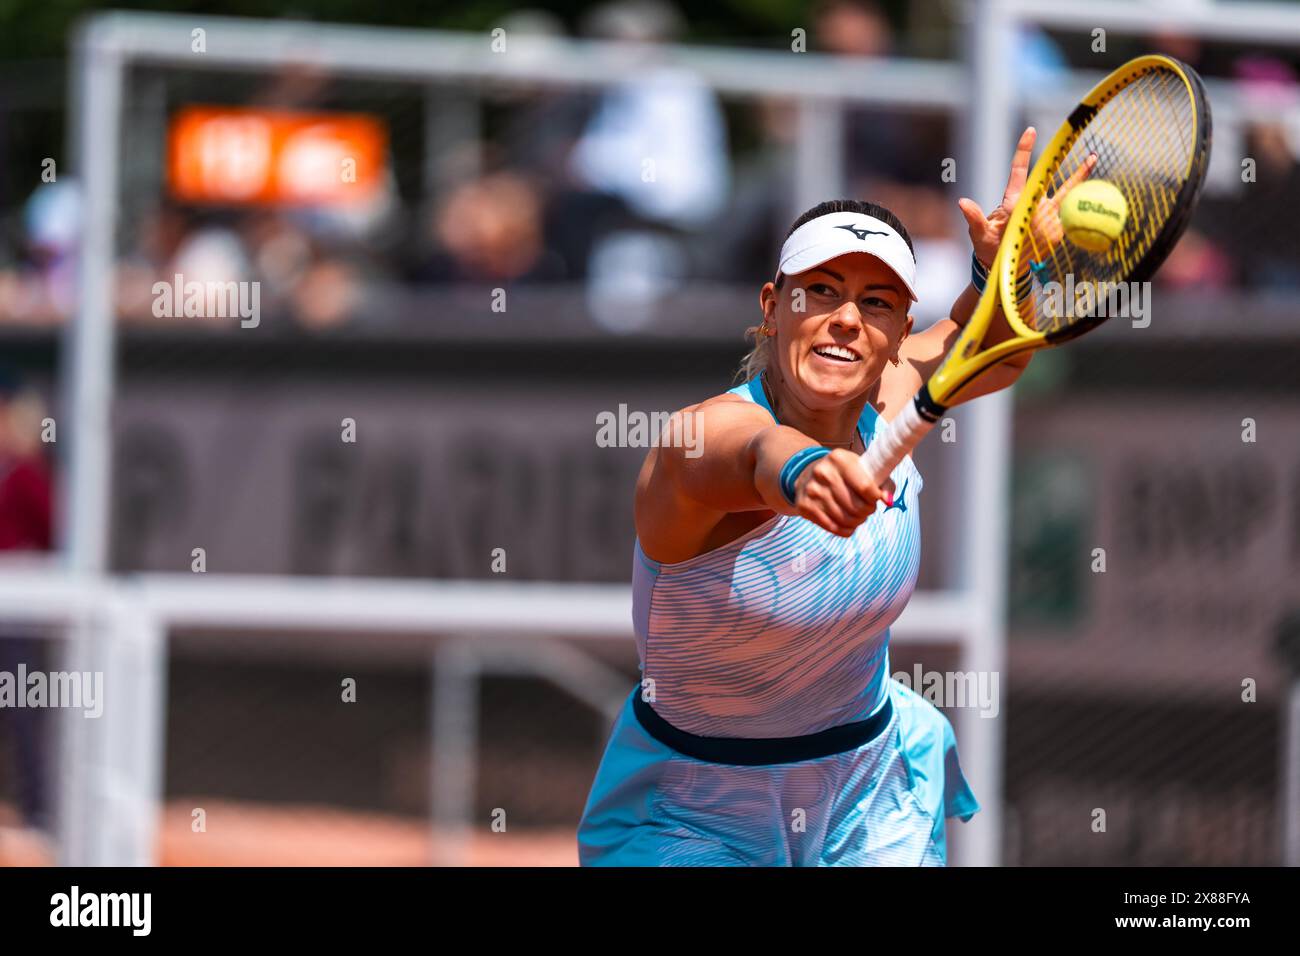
x,y
837,233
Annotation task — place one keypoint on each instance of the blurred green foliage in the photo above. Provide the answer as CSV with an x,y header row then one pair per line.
x,y
40,28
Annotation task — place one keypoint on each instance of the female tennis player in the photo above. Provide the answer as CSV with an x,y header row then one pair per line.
x,y
767,570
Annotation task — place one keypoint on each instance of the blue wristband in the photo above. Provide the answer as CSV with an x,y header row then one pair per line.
x,y
979,276
795,465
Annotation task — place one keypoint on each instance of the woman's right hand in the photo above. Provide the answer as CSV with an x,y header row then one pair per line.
x,y
836,493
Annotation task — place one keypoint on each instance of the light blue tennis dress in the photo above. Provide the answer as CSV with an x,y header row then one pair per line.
x,y
775,644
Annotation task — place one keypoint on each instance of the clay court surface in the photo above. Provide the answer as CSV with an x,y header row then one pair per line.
x,y
243,834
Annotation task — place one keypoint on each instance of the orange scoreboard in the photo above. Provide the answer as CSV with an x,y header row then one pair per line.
x,y
227,155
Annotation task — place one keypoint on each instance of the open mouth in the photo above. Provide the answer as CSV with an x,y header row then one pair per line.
x,y
837,353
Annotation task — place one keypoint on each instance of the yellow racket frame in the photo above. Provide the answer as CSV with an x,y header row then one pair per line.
x,y
964,361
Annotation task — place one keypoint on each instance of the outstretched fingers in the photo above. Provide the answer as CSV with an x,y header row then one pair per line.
x,y
1019,168
1079,175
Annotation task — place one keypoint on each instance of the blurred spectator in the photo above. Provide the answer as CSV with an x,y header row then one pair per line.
x,y
26,492
1041,66
895,158
542,130
882,145
657,143
25,484
577,222
1197,263
212,253
40,286
328,295
543,122
761,206
281,253
1265,217
490,229
199,248
159,233
657,139
1172,42
853,28
1256,222
308,268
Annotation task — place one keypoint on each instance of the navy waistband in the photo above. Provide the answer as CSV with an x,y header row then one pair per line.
x,y
759,751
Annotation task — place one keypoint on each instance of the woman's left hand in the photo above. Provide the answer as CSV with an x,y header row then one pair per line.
x,y
986,231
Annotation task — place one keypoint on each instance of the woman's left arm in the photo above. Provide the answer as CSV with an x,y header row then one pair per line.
x,y
922,353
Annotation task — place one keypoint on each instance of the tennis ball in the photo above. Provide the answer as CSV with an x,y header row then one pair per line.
x,y
1093,214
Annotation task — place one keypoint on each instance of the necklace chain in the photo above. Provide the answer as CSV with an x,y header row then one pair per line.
x,y
772,400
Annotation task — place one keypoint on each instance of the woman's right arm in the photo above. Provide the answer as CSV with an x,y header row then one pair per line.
x,y
726,456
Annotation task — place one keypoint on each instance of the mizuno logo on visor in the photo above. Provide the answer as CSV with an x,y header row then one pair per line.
x,y
862,233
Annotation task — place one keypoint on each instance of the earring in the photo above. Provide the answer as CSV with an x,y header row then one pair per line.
x,y
766,329
895,361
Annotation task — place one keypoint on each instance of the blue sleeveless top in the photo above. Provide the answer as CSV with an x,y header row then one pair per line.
x,y
785,630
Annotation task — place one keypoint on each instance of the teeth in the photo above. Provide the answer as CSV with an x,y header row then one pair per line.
x,y
835,351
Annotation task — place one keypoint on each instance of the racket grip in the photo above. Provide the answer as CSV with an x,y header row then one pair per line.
x,y
900,436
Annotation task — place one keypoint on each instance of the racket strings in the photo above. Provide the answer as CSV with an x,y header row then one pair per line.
x,y
1148,200
1143,137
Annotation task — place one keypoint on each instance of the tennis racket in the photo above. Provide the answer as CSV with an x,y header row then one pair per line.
x,y
1149,125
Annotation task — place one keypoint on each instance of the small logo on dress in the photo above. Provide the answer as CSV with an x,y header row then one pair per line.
x,y
898,501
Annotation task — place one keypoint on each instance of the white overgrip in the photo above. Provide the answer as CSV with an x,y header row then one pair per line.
x,y
893,444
